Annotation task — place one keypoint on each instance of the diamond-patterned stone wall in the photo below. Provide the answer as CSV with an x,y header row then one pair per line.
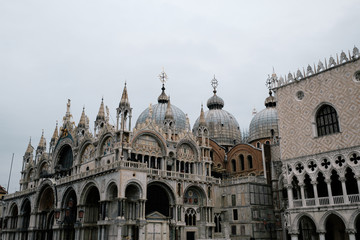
x,y
297,129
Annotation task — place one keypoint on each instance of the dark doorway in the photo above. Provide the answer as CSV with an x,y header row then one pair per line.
x,y
307,229
157,200
190,235
335,228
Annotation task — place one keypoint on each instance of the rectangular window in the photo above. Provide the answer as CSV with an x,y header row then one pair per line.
x,y
233,200
233,230
235,214
223,200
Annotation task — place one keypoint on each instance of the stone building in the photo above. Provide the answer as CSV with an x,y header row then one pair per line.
x,y
315,164
159,180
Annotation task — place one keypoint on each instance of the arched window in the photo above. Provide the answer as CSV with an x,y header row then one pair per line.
x,y
242,164
250,163
233,165
326,121
190,217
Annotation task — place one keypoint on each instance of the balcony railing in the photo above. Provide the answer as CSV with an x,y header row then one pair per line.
x,y
324,201
180,175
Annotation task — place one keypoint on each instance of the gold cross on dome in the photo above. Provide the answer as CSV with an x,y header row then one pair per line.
x,y
163,77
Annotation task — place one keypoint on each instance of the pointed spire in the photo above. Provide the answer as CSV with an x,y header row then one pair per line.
x,y
169,113
56,133
202,121
101,113
42,142
124,102
29,148
82,122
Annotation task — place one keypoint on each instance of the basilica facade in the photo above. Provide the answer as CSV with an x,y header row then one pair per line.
x,y
295,177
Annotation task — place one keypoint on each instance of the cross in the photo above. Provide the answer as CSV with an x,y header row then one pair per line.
x,y
163,77
299,167
312,165
325,163
340,161
214,83
355,158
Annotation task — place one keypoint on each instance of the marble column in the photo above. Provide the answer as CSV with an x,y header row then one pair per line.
x,y
294,236
321,236
328,183
314,184
343,185
290,195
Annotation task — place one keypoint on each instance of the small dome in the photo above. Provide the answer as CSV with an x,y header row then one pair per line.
x,y
223,127
158,116
264,121
215,102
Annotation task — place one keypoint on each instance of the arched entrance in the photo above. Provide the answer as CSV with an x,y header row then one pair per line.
x,y
12,221
357,228
91,213
133,211
26,211
335,228
45,218
159,211
307,229
65,161
69,211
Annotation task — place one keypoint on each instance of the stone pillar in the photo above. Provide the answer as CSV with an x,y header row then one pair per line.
x,y
119,232
290,195
351,233
321,236
358,183
328,183
314,183
294,236
343,185
302,194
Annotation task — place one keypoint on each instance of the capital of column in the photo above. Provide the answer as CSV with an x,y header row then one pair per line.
x,y
342,179
314,182
350,231
327,180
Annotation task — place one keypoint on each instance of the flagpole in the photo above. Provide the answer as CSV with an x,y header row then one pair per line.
x,y
7,190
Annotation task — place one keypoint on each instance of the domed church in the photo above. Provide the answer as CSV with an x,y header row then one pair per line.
x,y
158,180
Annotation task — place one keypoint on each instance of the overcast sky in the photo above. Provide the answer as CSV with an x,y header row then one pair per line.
x,y
51,51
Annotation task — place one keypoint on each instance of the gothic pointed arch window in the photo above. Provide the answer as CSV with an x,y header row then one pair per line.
x,y
326,120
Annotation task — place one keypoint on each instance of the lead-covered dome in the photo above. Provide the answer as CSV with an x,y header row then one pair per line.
x,y
159,112
222,125
265,123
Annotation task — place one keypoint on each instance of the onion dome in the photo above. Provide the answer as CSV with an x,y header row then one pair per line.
x,y
265,123
158,111
222,125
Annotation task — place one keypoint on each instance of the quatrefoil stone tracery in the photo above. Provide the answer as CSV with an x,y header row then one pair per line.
x,y
340,161
299,167
325,163
355,158
312,165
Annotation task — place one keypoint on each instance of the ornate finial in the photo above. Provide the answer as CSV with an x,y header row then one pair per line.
x,y
163,77
214,84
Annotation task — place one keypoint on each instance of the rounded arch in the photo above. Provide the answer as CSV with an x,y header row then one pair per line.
x,y
85,189
111,189
68,193
200,191
136,183
60,145
160,140
355,216
25,211
192,145
13,207
322,222
160,198
102,141
133,192
296,222
84,144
